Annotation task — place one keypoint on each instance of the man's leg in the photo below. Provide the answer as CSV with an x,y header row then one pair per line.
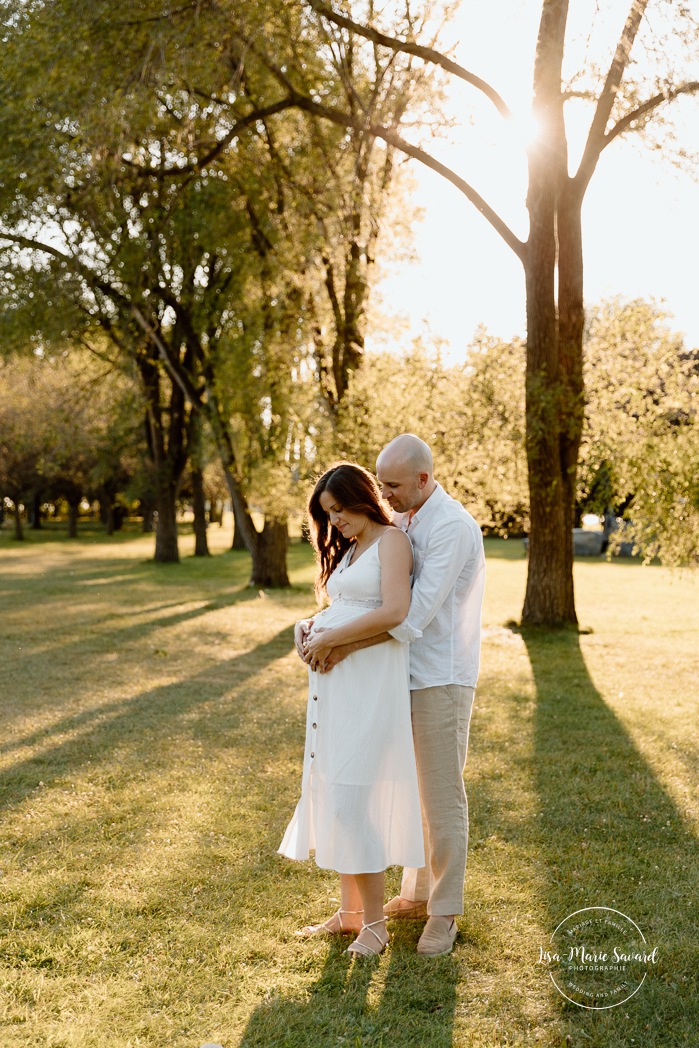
x,y
414,888
415,884
441,718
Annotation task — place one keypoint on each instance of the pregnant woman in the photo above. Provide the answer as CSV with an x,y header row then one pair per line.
x,y
359,808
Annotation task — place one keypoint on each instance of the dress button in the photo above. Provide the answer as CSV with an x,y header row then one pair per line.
x,y
315,725
313,755
315,698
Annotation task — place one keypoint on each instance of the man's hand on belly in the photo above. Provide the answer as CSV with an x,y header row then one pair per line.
x,y
343,650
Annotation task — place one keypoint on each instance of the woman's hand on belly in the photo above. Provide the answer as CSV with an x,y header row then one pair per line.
x,y
317,647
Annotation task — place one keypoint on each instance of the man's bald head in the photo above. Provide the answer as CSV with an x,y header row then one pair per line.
x,y
409,451
404,469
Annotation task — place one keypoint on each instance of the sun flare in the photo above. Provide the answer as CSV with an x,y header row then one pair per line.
x,y
526,128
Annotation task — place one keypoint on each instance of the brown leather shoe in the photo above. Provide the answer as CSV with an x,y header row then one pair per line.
x,y
437,937
402,909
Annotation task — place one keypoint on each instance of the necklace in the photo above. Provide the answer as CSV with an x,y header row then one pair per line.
x,y
359,550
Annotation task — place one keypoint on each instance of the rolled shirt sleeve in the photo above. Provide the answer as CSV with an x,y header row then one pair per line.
x,y
404,632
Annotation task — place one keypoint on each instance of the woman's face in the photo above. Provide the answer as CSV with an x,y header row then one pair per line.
x,y
347,523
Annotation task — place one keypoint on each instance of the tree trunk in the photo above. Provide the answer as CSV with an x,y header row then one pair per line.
x,y
201,546
549,594
571,323
107,513
216,512
238,540
269,560
167,432
545,599
19,532
166,545
36,512
73,508
267,548
147,510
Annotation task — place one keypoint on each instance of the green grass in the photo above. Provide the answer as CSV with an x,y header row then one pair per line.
x,y
150,753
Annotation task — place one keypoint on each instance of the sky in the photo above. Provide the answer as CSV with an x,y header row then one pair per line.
x,y
640,216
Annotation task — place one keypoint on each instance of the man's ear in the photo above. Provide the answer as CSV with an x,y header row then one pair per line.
x,y
422,479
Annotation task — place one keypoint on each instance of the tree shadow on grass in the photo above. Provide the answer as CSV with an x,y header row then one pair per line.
x,y
612,836
334,1007
135,750
106,727
233,873
415,1008
69,644
123,568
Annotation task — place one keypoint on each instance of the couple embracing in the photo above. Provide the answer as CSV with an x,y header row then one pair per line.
x,y
393,663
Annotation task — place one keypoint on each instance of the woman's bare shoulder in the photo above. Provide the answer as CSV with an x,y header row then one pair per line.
x,y
394,539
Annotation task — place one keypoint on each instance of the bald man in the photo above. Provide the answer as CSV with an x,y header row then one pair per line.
x,y
443,628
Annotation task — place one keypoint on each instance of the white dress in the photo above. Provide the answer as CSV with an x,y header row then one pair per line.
x,y
359,806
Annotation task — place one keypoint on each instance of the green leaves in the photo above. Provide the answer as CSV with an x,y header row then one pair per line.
x,y
641,443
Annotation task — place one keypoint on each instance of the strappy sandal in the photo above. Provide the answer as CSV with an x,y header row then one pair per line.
x,y
358,949
322,929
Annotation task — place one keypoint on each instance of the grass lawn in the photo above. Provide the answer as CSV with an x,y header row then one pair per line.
x,y
151,741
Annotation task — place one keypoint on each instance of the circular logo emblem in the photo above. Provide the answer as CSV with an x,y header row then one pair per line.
x,y
598,958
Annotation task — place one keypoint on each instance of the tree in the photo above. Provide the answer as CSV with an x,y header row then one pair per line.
x,y
622,100
639,452
472,414
23,443
195,233
69,429
125,216
640,446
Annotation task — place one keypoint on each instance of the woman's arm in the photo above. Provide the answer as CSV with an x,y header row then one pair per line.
x,y
396,556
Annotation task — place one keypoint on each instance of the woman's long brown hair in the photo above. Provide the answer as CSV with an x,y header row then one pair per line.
x,y
354,488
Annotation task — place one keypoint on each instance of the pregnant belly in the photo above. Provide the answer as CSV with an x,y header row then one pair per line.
x,y
339,613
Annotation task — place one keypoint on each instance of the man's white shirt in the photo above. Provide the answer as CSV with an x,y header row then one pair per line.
x,y
444,622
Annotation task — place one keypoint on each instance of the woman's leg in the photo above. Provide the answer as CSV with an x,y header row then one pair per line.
x,y
348,918
351,900
370,887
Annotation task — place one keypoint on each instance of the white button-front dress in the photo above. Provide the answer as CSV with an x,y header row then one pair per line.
x,y
359,806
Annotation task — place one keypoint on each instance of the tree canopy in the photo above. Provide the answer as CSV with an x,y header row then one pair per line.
x,y
623,95
209,203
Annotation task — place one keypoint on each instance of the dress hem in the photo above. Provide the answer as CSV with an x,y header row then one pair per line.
x,y
353,873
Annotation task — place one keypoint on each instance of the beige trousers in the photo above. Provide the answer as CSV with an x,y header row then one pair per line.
x,y
441,718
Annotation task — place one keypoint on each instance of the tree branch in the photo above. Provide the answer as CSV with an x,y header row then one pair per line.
x,y
156,18
669,95
177,374
596,139
366,126
35,245
395,140
223,144
91,278
428,54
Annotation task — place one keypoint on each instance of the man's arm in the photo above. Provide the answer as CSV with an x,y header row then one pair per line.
x,y
450,546
343,650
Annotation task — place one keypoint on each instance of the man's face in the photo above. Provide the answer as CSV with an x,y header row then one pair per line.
x,y
401,486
